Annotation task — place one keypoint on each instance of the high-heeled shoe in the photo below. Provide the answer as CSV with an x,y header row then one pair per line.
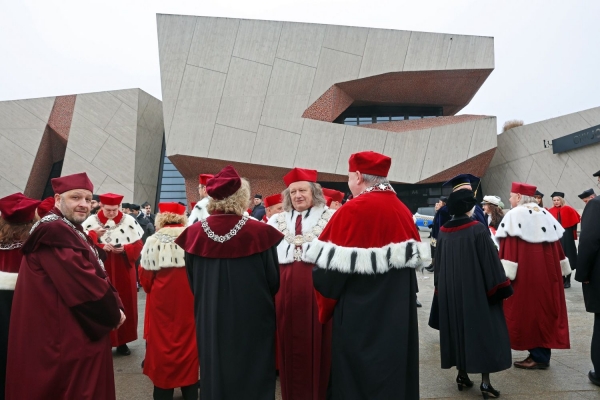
x,y
463,381
488,391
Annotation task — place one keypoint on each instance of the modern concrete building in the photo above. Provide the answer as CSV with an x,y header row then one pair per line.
x,y
524,155
266,96
115,136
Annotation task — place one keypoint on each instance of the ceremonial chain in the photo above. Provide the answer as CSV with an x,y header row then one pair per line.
x,y
229,235
106,236
382,187
11,246
164,238
298,240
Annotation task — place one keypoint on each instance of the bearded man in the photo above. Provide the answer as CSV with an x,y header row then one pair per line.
x,y
304,345
120,236
64,307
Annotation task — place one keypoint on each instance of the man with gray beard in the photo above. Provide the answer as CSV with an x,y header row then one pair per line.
x,y
63,288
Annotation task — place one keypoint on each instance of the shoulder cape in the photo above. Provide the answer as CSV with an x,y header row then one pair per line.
x,y
161,251
531,223
254,237
124,229
568,216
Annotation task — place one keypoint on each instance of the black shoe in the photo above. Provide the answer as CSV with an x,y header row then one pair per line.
x,y
463,382
487,390
567,285
419,303
430,268
594,378
123,350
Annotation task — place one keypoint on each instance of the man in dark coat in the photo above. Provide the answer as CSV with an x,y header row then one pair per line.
x,y
258,211
588,272
232,267
364,277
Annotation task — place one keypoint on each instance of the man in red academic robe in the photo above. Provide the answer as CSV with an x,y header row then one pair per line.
x,y
304,344
534,261
120,236
365,279
64,307
17,215
336,198
273,205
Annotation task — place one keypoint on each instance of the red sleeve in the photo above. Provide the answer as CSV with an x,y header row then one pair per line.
x,y
509,249
133,251
326,307
146,278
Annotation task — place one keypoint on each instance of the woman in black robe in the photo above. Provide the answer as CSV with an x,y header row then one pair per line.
x,y
471,285
233,271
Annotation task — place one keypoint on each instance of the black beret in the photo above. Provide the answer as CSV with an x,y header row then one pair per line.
x,y
538,193
134,207
461,202
559,194
96,197
125,205
586,194
258,196
596,174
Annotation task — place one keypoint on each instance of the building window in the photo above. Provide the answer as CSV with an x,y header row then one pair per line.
x,y
171,184
54,173
366,115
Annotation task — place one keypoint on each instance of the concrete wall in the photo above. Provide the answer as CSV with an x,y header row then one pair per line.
x,y
115,137
236,90
521,157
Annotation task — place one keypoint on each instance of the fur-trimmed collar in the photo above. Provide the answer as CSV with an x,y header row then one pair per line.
x,y
354,260
104,220
160,250
199,212
124,231
531,223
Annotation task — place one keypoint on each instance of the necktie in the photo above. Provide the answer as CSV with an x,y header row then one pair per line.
x,y
299,225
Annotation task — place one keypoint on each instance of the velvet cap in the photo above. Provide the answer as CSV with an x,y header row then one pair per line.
x,y
558,194
272,200
174,208
72,182
18,208
495,200
111,199
586,194
462,180
328,200
300,174
370,162
461,202
224,184
203,178
45,206
523,189
335,195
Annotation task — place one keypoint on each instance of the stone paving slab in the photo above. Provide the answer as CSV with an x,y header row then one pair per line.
x,y
565,379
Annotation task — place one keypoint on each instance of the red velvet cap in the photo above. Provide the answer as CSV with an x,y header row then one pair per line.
x,y
111,199
203,178
523,189
300,174
224,184
174,208
335,195
272,200
369,162
18,208
328,200
45,206
193,204
72,182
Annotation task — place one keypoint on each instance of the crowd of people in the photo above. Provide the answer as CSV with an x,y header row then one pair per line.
x,y
320,289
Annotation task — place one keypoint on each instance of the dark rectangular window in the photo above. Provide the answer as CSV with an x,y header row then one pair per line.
x,y
171,184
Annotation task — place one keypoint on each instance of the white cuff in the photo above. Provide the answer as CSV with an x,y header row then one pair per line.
x,y
565,267
8,280
510,268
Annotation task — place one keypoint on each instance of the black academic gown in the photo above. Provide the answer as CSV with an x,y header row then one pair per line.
x,y
234,307
588,260
471,285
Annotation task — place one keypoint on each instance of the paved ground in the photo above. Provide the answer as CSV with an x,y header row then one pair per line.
x,y
565,379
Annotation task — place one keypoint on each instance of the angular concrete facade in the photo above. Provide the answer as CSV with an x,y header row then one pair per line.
x,y
521,157
263,96
115,137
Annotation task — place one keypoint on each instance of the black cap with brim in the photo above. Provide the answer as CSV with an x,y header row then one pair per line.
x,y
538,193
558,194
586,194
596,174
258,196
462,180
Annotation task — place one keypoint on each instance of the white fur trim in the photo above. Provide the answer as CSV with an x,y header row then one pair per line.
x,y
127,231
565,267
285,250
8,280
199,212
378,260
160,251
531,223
510,269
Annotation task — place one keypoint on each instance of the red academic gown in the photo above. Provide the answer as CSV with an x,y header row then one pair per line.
x,y
304,344
171,351
10,261
63,309
536,314
120,268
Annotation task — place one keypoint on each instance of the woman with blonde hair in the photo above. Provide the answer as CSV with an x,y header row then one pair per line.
x,y
232,266
169,329
569,219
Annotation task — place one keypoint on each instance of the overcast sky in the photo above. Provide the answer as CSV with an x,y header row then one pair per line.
x,y
547,56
